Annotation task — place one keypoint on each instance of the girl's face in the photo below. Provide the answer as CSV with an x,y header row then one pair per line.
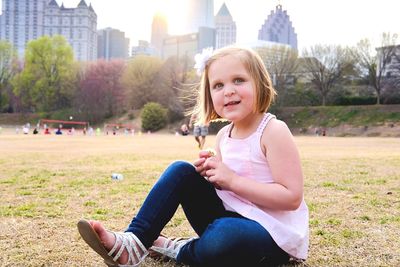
x,y
232,89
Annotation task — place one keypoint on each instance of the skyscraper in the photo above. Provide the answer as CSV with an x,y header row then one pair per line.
x,y
25,20
112,44
225,27
200,14
159,31
278,28
22,21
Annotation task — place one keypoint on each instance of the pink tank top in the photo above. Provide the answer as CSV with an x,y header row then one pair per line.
x,y
289,229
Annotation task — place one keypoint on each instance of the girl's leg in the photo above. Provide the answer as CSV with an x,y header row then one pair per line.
x,y
233,242
180,183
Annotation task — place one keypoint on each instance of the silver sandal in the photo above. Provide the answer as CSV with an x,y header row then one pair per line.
x,y
170,248
125,241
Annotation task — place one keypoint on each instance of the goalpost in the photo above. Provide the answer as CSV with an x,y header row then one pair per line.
x,y
113,128
75,125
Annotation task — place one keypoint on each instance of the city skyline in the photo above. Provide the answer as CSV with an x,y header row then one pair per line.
x,y
316,22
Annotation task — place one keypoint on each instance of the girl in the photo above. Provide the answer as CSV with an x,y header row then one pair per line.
x,y
245,203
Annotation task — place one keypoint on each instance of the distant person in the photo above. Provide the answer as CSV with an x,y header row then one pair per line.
x,y
90,131
200,130
58,132
35,131
245,201
184,129
25,130
47,131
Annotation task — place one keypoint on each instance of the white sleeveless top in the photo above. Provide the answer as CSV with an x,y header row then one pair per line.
x,y
289,229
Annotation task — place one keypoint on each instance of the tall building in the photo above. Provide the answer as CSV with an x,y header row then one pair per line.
x,y
278,28
25,20
200,13
112,44
225,27
188,45
22,21
144,48
159,31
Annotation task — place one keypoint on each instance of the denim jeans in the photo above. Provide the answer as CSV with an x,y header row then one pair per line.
x,y
225,238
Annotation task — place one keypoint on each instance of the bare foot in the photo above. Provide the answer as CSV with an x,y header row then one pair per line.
x,y
108,240
159,242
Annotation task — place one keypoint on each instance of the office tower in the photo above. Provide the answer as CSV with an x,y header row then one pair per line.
x,y
159,31
112,44
25,20
278,28
21,21
225,28
200,13
188,45
144,48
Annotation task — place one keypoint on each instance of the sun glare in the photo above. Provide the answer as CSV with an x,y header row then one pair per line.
x,y
173,13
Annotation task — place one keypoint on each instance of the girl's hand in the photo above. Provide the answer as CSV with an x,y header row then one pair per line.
x,y
199,163
218,173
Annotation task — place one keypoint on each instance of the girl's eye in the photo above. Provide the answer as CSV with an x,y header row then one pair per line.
x,y
238,80
218,86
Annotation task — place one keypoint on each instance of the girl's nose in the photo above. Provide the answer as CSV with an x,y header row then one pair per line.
x,y
229,90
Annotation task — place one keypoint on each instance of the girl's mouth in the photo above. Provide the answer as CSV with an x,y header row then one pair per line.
x,y
231,103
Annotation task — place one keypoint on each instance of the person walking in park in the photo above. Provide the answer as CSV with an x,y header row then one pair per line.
x,y
200,130
245,202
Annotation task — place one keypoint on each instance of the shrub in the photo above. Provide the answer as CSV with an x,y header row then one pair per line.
x,y
154,117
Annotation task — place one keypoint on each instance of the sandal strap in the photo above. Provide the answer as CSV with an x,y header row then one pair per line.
x,y
129,242
172,246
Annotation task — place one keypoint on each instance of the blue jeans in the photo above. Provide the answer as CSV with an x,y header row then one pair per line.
x,y
225,238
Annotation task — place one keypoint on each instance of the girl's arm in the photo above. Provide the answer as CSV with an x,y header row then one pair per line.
x,y
286,193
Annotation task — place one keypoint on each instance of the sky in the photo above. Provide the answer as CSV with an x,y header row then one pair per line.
x,y
343,22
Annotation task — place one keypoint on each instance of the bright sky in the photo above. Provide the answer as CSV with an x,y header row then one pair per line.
x,y
342,22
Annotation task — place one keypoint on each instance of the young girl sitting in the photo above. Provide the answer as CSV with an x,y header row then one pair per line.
x,y
245,202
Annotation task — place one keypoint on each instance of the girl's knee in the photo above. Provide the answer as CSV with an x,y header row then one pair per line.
x,y
179,171
181,167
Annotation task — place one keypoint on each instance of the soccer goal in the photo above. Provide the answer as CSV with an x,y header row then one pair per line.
x,y
116,128
63,127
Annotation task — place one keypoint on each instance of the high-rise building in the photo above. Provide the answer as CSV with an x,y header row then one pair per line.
x,y
278,28
25,20
112,44
225,27
200,13
22,21
188,45
143,48
159,31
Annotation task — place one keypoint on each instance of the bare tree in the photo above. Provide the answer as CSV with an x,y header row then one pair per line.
x,y
281,63
326,64
374,62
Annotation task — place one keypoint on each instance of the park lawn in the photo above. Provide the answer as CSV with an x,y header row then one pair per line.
x,y
47,183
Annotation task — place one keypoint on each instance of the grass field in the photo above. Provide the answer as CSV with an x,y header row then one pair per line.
x,y
47,183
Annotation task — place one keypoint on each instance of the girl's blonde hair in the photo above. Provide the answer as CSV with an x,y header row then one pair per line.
x,y
264,92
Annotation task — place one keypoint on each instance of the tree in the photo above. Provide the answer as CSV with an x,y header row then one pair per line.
x,y
46,80
325,64
8,68
101,93
141,81
281,63
154,117
374,62
172,77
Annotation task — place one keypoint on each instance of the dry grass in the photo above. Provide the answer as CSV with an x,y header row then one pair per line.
x,y
48,183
